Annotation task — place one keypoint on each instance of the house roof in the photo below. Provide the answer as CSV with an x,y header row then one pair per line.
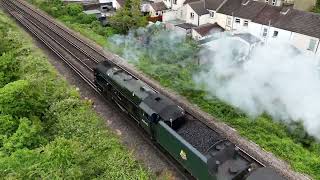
x,y
247,10
301,22
268,14
159,6
230,7
213,4
186,25
206,29
190,1
293,20
198,7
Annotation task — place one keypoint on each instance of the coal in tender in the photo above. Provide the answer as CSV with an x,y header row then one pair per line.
x,y
198,135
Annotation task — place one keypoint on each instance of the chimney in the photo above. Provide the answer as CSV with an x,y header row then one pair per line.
x,y
245,2
285,10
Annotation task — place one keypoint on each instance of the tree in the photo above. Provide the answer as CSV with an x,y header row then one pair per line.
x,y
128,17
74,9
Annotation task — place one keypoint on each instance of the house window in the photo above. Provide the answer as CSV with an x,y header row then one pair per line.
x,y
274,2
275,34
245,23
267,1
238,20
265,32
312,44
192,15
211,14
157,13
229,21
174,1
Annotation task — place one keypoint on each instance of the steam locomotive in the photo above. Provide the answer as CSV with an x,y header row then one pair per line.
x,y
200,150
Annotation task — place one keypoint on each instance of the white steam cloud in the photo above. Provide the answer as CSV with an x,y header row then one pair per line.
x,y
274,79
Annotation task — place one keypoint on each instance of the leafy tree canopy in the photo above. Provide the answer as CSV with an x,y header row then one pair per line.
x,y
128,17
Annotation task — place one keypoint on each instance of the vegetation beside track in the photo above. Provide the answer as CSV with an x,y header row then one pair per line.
x,y
294,146
46,130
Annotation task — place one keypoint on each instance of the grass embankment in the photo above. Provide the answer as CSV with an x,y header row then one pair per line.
x,y
301,151
46,130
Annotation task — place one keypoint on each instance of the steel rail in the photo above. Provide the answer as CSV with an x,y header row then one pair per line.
x,y
37,24
37,32
96,52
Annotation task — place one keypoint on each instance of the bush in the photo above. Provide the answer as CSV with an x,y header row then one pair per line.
x,y
46,130
74,9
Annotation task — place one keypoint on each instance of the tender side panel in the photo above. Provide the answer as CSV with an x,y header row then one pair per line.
x,y
182,151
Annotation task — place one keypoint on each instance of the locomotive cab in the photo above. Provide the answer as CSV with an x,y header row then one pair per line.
x,y
163,109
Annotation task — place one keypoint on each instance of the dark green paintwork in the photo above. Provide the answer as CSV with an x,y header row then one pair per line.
x,y
195,162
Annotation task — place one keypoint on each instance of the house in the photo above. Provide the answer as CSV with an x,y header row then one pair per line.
x,y
196,12
275,22
157,9
269,23
178,9
205,31
300,28
236,14
174,4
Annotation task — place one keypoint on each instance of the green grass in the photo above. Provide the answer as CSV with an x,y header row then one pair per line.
x,y
46,130
300,151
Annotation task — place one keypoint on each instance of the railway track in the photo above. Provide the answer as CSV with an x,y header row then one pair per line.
x,y
80,56
68,53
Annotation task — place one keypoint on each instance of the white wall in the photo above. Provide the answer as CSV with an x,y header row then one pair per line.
x,y
171,5
258,29
302,42
178,5
169,15
153,13
204,19
197,20
115,4
182,13
193,20
213,19
196,35
240,26
221,19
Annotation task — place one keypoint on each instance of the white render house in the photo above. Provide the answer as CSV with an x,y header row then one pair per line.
x,y
196,13
265,21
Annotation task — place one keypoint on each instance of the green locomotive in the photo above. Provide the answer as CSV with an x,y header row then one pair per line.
x,y
199,149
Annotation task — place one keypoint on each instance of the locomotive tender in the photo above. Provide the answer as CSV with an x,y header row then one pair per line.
x,y
199,149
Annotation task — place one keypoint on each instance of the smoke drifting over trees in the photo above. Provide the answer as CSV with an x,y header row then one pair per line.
x,y
275,80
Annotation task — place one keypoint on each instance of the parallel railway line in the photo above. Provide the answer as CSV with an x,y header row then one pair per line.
x,y
84,71
79,55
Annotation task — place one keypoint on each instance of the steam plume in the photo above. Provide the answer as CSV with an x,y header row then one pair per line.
x,y
274,79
